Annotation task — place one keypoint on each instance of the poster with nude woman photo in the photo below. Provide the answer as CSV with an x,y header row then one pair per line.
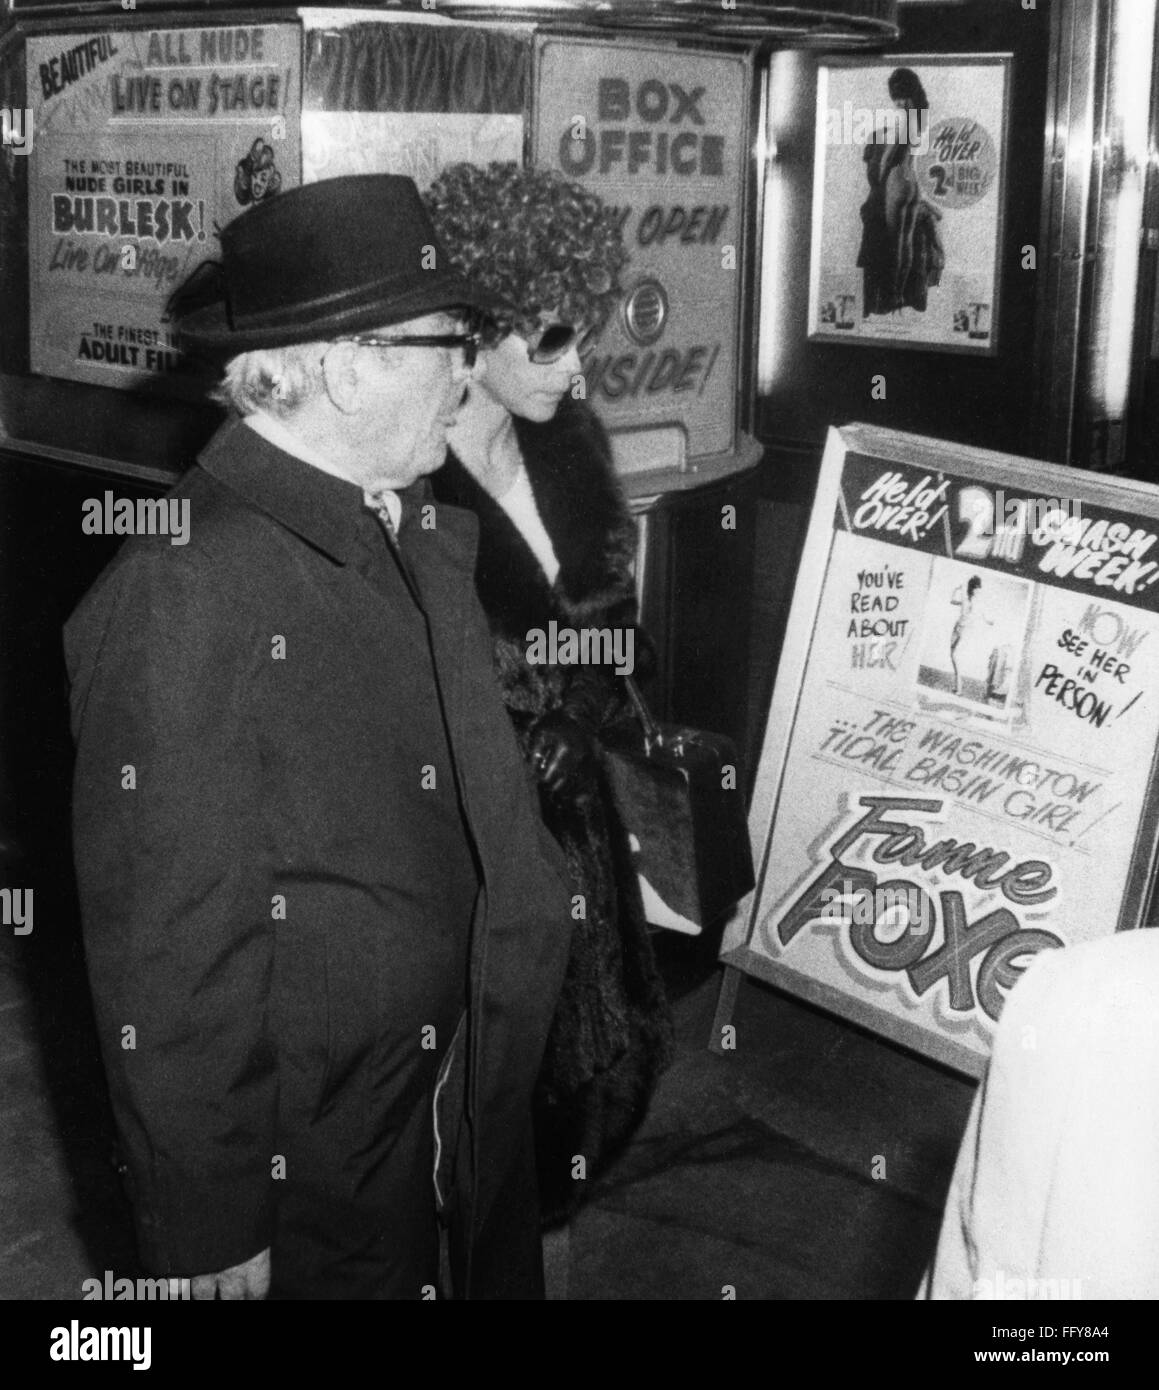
x,y
909,188
974,625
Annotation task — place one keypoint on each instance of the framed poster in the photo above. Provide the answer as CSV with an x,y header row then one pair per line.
x,y
909,188
960,767
147,142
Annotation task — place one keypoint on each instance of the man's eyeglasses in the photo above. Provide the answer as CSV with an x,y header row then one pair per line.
x,y
554,341
469,342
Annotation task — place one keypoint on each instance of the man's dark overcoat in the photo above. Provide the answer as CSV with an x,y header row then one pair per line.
x,y
306,841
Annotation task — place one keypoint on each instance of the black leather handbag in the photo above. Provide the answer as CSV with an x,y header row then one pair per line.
x,y
680,795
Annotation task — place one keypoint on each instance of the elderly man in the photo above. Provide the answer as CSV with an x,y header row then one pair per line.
x,y
307,850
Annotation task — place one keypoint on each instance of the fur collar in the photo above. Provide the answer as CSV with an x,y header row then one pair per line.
x,y
569,464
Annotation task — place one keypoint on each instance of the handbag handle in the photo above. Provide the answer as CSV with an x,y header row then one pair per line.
x,y
652,735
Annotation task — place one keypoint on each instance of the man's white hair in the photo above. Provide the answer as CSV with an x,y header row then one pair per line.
x,y
277,380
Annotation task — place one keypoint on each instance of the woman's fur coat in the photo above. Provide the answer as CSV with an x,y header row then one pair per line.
x,y
612,1034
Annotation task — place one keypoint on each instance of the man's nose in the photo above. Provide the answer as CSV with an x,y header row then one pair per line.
x,y
460,372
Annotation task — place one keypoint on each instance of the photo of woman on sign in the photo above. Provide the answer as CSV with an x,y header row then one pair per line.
x,y
969,616
974,665
901,254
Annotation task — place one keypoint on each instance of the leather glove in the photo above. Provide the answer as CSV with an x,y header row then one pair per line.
x,y
561,752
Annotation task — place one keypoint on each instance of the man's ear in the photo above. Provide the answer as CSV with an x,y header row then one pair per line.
x,y
342,375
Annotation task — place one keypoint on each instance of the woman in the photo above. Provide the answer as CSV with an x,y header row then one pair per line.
x,y
556,544
901,254
967,620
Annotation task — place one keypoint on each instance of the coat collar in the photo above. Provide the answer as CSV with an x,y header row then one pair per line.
x,y
324,510
319,507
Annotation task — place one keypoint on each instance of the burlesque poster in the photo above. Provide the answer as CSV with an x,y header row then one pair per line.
x,y
147,141
908,193
961,758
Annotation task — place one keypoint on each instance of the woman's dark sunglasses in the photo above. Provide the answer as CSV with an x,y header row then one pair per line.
x,y
555,340
469,342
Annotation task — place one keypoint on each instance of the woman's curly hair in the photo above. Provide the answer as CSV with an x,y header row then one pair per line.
x,y
532,240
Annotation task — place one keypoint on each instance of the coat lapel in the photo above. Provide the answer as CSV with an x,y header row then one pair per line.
x,y
442,560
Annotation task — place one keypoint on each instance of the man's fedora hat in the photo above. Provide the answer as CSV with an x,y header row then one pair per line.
x,y
335,257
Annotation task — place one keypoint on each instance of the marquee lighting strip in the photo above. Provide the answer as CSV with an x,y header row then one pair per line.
x,y
822,23
827,22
